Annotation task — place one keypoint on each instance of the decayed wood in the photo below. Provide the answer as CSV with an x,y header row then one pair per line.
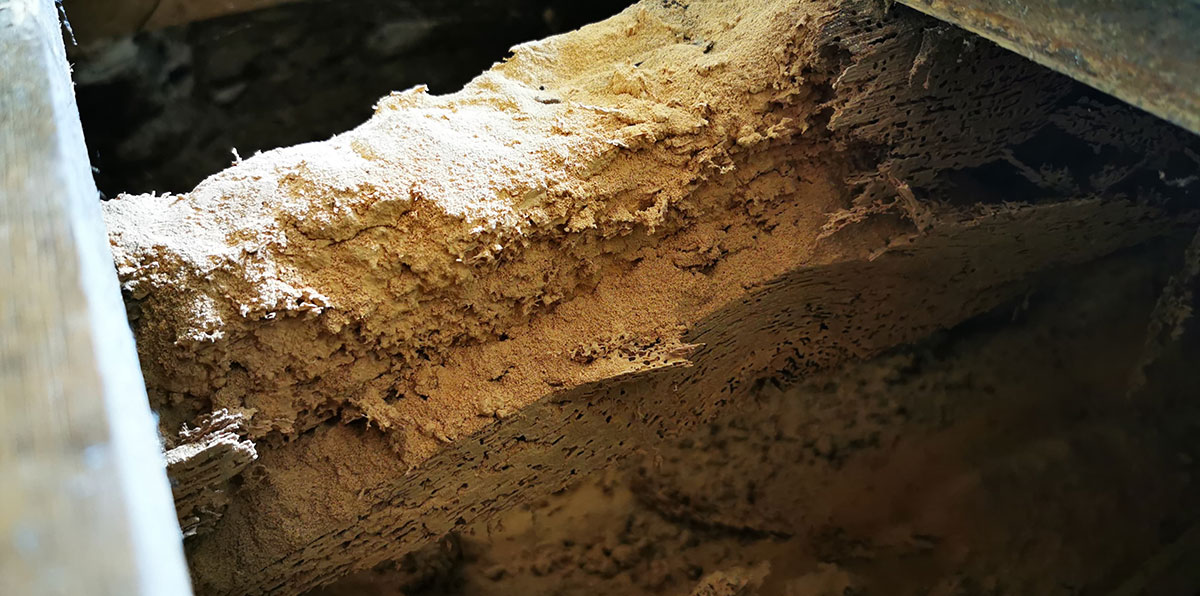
x,y
339,499
201,466
472,300
1142,51
85,507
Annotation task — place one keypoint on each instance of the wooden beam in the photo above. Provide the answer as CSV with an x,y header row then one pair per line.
x,y
86,507
1143,52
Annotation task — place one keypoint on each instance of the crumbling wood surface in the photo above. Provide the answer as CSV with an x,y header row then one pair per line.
x,y
201,466
968,441
1142,51
807,321
471,300
85,507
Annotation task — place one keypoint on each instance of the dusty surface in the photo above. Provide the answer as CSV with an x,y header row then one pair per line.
x,y
999,457
473,299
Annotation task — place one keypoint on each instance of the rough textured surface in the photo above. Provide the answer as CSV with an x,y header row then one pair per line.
x,y
201,464
737,581
472,299
998,457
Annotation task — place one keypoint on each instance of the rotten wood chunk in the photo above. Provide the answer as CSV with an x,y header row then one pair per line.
x,y
472,300
202,467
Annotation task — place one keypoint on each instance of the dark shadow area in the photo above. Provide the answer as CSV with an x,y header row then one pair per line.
x,y
164,109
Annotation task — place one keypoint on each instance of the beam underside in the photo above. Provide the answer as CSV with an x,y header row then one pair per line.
x,y
1144,52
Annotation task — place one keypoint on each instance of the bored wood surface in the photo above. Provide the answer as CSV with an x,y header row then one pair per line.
x,y
201,465
86,508
1142,51
472,300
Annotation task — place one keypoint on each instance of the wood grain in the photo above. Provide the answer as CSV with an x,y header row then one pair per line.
x,y
85,506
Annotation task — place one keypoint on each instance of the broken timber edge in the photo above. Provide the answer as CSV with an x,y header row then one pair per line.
x,y
86,507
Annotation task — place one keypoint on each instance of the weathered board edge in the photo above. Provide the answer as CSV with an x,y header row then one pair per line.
x,y
86,506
